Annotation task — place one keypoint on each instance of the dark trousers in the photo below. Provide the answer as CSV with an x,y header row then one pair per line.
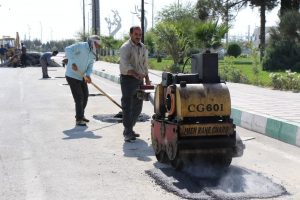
x,y
131,105
44,64
80,94
23,60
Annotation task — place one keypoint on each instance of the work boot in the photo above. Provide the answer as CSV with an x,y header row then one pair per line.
x,y
85,119
80,123
128,138
136,134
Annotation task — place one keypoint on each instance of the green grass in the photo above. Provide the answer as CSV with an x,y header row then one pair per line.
x,y
164,65
246,69
245,65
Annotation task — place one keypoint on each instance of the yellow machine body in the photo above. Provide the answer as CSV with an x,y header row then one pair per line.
x,y
197,100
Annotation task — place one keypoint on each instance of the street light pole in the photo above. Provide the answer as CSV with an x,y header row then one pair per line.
x,y
152,13
142,20
96,17
83,8
41,32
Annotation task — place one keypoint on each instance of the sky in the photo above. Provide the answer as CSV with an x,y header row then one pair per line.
x,y
62,19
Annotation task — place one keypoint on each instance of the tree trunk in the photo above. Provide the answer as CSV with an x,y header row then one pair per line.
x,y
227,20
262,30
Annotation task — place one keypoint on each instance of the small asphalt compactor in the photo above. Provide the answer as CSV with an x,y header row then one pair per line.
x,y
192,117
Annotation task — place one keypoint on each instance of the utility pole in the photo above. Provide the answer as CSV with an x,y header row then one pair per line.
x,y
142,20
96,17
83,9
152,13
28,31
51,33
41,32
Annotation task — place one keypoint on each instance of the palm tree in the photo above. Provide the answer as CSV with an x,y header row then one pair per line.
x,y
210,34
214,9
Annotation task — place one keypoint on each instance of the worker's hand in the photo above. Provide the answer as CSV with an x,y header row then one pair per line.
x,y
87,79
136,74
74,67
139,76
148,82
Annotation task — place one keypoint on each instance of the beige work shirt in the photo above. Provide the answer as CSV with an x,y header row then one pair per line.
x,y
134,57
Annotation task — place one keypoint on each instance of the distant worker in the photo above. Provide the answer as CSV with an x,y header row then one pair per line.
x,y
45,60
133,68
81,57
23,55
2,54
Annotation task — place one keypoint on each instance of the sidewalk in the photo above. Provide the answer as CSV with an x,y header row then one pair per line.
x,y
270,112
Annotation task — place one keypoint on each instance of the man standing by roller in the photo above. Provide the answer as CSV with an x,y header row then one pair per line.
x,y
133,68
81,56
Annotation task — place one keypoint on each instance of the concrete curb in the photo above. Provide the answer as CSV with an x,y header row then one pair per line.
x,y
273,127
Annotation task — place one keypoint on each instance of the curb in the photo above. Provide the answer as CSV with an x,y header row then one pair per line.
x,y
276,128
273,127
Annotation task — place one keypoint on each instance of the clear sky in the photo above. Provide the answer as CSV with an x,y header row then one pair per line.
x,y
61,19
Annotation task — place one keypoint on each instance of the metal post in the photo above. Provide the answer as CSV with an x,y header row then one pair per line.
x,y
83,8
152,13
96,17
41,32
142,20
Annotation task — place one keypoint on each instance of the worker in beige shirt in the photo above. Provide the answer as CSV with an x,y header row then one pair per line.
x,y
134,72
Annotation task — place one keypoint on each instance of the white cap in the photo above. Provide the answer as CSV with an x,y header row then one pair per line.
x,y
95,38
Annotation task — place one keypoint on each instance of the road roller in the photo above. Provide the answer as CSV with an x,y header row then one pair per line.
x,y
192,116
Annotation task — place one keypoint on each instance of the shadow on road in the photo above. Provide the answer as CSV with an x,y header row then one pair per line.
x,y
139,149
79,133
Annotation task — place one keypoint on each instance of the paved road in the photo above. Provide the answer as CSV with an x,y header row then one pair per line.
x,y
44,156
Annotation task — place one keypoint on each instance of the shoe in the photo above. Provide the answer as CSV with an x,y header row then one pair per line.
x,y
85,119
80,123
136,134
128,138
46,77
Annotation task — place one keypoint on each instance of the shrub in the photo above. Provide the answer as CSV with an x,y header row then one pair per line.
x,y
282,55
111,59
283,51
175,68
234,50
230,73
288,81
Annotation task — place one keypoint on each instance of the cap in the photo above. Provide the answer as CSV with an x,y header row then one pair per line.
x,y
95,38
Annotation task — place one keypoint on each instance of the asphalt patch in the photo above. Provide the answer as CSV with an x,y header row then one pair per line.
x,y
233,183
117,118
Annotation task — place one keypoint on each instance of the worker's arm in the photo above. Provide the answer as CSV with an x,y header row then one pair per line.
x,y
89,70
